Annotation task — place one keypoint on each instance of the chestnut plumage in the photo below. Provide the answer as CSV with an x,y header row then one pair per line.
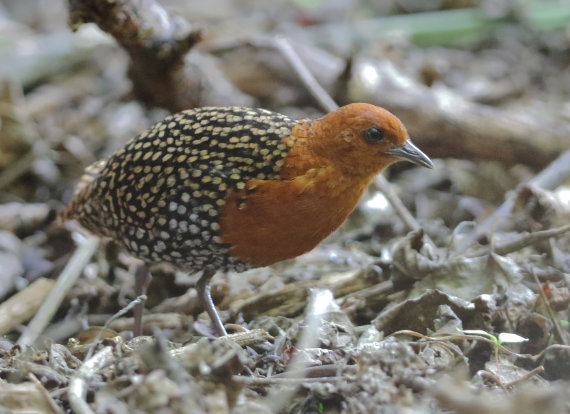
x,y
230,188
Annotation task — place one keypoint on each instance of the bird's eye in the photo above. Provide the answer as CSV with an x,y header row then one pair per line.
x,y
373,135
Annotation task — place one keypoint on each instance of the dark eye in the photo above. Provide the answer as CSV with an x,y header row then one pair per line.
x,y
373,135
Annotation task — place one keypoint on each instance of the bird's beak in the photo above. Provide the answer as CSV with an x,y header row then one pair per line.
x,y
411,153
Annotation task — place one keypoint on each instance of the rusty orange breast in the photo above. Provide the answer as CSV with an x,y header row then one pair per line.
x,y
270,221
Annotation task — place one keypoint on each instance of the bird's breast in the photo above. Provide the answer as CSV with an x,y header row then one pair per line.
x,y
274,220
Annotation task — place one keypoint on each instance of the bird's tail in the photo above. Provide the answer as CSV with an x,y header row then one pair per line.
x,y
74,209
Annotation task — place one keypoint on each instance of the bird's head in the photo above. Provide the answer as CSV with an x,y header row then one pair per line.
x,y
364,139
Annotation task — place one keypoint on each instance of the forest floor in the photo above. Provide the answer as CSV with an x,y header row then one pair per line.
x,y
463,309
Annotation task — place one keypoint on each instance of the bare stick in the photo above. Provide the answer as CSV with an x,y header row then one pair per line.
x,y
24,304
521,242
65,281
156,43
45,394
17,169
78,385
538,370
561,337
253,381
248,338
549,178
283,46
312,85
384,186
140,299
319,304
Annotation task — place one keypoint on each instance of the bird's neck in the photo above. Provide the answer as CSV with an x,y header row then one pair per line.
x,y
281,219
311,148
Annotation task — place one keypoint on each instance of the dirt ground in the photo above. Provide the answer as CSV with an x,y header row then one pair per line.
x,y
446,290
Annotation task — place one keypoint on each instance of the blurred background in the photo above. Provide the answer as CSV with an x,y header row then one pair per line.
x,y
483,87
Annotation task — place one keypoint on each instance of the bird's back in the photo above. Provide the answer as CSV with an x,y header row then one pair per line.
x,y
161,195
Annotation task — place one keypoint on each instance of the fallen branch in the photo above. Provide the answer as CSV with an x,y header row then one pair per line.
x,y
320,302
24,304
558,331
77,392
156,44
549,178
445,125
65,281
520,242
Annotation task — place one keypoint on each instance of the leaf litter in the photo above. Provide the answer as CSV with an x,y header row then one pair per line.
x,y
376,319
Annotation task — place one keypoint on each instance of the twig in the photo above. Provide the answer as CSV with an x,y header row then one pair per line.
x,y
322,97
491,376
320,302
143,277
79,383
407,218
65,281
156,43
536,357
528,375
558,330
521,242
282,381
121,312
404,214
47,397
320,371
549,178
528,239
282,45
248,338
17,169
24,304
500,347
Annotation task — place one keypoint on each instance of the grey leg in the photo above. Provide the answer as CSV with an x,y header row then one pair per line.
x,y
203,288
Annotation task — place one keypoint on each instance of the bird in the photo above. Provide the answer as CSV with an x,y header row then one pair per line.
x,y
232,188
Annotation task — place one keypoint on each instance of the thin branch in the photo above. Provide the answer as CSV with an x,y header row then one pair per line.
x,y
407,218
17,169
65,281
521,242
156,44
319,303
549,178
78,385
538,370
500,347
23,305
560,336
282,381
140,299
321,96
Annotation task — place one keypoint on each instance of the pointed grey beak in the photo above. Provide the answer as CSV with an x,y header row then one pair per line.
x,y
411,153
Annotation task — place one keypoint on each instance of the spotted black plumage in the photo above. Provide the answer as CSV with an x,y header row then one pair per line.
x,y
160,196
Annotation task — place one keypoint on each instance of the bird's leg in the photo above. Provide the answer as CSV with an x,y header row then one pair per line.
x,y
142,280
203,288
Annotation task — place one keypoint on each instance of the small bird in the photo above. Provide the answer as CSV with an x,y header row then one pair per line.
x,y
232,188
